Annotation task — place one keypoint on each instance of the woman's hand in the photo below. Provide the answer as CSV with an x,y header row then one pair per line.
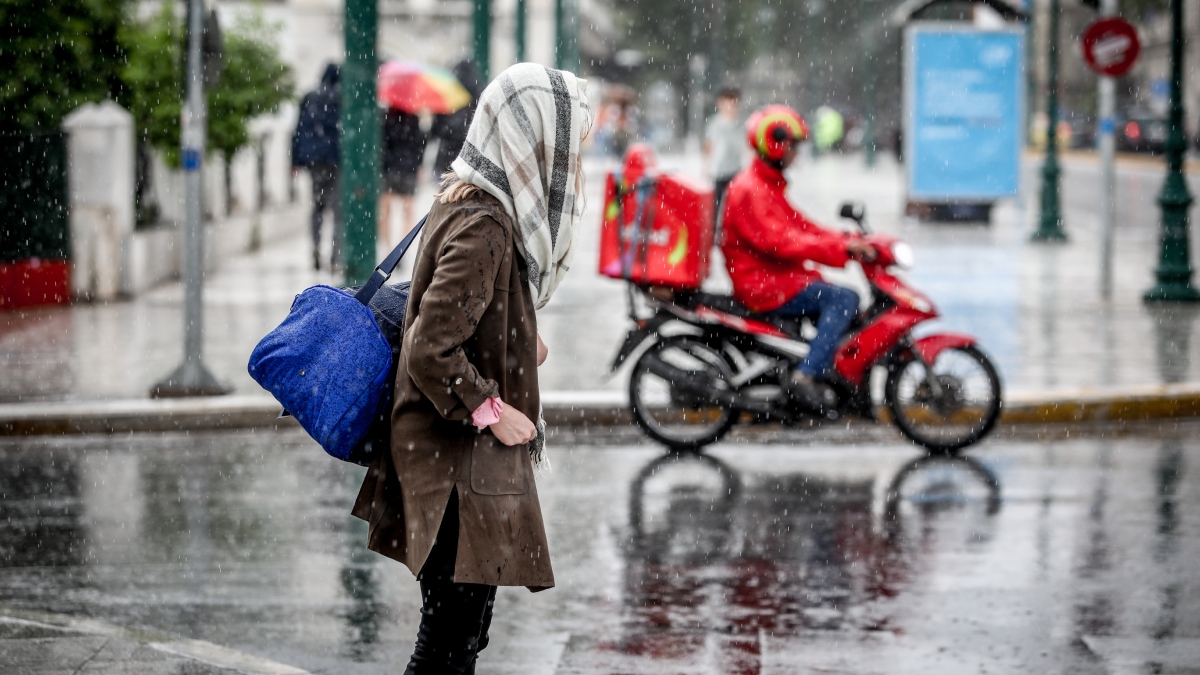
x,y
513,427
542,350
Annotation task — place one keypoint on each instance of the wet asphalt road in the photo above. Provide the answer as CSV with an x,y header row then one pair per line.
x,y
1052,556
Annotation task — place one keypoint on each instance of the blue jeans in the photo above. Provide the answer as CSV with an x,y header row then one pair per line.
x,y
837,307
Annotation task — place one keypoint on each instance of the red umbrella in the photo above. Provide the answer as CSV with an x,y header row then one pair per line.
x,y
415,87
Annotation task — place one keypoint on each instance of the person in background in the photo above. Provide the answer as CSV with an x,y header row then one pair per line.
x,y
451,130
723,149
403,151
830,128
315,147
770,250
625,127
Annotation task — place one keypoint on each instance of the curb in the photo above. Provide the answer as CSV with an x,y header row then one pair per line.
x,y
136,415
570,409
1136,160
1127,404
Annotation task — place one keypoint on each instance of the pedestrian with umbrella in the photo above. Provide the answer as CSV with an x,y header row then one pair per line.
x,y
450,130
455,499
403,152
409,90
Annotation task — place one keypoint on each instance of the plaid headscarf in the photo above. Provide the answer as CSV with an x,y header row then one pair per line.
x,y
523,149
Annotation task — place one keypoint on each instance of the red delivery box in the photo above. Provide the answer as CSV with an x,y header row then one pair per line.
x,y
657,229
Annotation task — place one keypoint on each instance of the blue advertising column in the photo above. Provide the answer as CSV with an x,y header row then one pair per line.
x,y
964,113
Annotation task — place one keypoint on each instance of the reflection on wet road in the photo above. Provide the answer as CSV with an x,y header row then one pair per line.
x,y
1064,555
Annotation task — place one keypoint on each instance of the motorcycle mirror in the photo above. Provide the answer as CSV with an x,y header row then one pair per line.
x,y
854,211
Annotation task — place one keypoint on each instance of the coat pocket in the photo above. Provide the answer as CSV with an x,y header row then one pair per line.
x,y
498,469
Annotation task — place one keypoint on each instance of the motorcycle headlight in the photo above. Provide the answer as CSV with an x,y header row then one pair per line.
x,y
903,254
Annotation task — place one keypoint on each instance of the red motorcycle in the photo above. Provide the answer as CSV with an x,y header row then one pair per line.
x,y
713,363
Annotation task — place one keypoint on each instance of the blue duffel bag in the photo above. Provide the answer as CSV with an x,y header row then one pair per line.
x,y
332,362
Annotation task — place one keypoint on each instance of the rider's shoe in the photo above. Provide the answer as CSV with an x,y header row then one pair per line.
x,y
808,393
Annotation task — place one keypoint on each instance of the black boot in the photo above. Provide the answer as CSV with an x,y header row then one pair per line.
x,y
811,395
455,617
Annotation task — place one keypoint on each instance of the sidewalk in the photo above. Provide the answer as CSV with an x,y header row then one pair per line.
x,y
53,644
1035,308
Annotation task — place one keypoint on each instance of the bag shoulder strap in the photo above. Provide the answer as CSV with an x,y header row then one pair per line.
x,y
384,271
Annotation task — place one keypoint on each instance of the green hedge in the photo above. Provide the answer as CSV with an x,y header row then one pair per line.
x,y
34,213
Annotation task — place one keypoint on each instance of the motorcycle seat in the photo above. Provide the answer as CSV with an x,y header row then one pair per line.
x,y
721,303
729,305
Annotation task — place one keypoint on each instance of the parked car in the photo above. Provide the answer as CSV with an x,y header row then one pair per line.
x,y
1081,132
1071,132
1141,132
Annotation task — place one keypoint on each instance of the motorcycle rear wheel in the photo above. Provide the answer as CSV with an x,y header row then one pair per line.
x,y
682,417
967,410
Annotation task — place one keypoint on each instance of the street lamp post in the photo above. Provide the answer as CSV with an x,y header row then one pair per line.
x,y
870,65
482,38
812,87
566,35
359,139
1050,218
1030,71
521,29
1174,272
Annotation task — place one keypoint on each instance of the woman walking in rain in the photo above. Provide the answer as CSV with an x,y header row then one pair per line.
x,y
455,499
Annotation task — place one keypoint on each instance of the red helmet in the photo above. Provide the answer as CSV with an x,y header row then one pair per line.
x,y
773,129
640,159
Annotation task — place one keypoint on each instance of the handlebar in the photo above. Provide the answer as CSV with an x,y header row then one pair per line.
x,y
857,212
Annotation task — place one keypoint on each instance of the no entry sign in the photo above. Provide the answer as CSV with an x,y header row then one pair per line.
x,y
1110,46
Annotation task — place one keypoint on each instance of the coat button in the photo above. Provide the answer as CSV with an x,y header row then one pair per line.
x,y
458,381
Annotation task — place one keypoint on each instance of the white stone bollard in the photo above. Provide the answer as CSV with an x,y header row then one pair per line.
x,y
100,160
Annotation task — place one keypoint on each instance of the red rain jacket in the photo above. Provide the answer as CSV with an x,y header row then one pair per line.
x,y
769,246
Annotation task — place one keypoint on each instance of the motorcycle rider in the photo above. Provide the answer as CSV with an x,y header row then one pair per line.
x,y
770,249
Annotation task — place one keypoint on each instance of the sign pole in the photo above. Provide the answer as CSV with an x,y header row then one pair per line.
x,y
1110,47
192,378
1108,181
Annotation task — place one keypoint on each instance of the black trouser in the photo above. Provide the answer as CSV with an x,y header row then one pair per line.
x,y
720,186
326,195
454,617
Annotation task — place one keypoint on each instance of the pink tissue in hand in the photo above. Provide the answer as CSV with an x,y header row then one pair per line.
x,y
488,413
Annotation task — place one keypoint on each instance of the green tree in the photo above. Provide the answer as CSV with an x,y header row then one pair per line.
x,y
254,81
56,56
154,77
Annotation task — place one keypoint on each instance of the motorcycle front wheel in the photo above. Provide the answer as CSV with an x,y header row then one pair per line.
x,y
673,389
963,409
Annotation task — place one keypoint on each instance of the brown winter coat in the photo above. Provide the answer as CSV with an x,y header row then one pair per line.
x,y
470,334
